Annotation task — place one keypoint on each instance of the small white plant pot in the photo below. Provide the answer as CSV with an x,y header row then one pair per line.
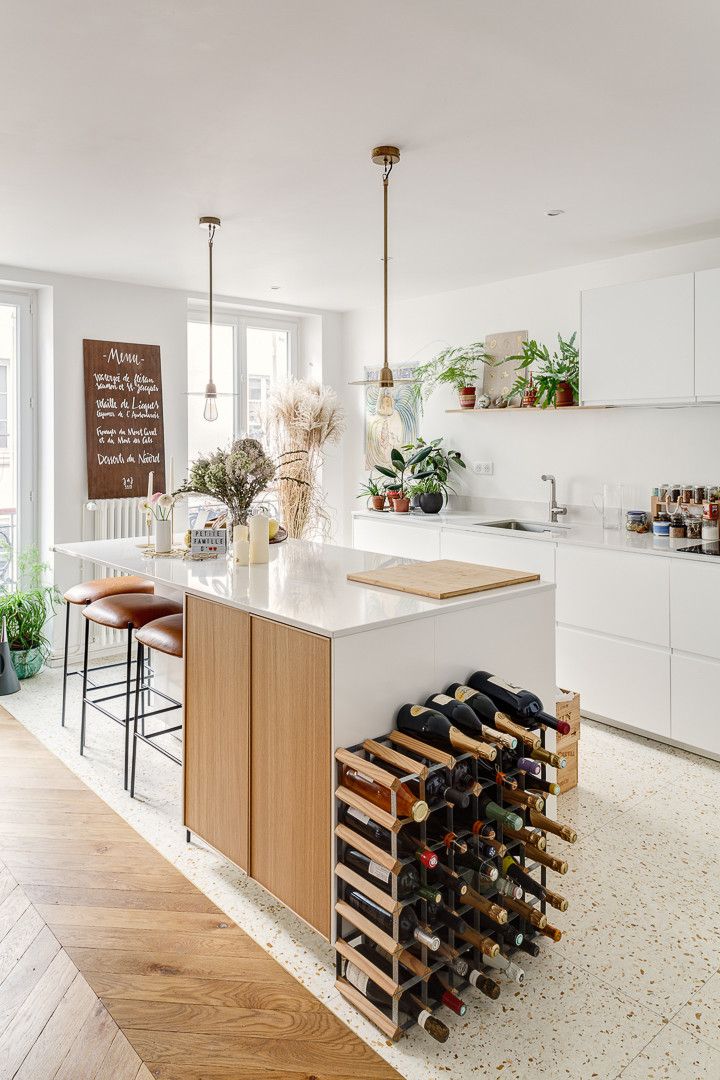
x,y
163,536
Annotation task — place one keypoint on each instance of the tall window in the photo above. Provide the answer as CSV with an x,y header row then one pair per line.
x,y
250,354
16,430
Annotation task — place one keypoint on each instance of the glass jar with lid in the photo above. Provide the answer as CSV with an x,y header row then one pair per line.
x,y
636,521
677,526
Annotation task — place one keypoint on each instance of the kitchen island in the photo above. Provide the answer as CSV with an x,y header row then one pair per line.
x,y
287,661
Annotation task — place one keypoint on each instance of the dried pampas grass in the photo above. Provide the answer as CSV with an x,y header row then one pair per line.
x,y
302,419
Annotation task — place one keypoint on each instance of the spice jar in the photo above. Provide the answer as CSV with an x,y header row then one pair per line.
x,y
712,492
710,530
661,525
636,521
674,493
677,526
699,494
693,527
687,494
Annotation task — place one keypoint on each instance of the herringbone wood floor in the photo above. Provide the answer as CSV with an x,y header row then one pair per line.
x,y
113,966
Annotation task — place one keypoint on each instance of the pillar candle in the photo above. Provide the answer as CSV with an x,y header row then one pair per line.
x,y
241,551
150,487
171,485
259,539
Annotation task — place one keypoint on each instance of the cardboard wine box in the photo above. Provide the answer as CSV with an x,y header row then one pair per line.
x,y
569,745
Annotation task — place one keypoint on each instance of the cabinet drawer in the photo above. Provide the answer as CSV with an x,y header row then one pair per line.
x,y
695,683
535,556
694,606
397,538
614,592
620,680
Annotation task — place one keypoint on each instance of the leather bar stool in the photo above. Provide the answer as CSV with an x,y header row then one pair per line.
x,y
124,611
86,593
164,635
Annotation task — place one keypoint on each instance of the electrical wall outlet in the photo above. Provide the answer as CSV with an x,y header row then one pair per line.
x,y
483,468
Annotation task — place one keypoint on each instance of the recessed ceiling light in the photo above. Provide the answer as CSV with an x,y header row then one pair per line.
x,y
554,213
275,287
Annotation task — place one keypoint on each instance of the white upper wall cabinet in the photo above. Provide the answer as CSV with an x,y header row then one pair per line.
x,y
707,334
638,342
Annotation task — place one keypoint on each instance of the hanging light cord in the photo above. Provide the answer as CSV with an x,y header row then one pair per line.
x,y
386,176
211,237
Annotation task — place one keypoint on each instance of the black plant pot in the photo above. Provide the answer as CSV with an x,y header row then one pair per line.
x,y
414,502
431,503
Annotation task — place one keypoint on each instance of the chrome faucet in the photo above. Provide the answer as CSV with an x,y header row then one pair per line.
x,y
554,511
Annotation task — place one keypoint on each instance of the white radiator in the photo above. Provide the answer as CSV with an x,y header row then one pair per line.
x,y
110,519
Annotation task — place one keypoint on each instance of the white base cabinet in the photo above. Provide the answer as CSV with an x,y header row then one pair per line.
x,y
402,539
535,557
695,714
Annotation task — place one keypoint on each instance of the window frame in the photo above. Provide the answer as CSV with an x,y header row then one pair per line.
x,y
25,303
241,321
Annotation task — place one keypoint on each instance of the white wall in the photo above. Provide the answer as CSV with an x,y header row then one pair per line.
x,y
644,447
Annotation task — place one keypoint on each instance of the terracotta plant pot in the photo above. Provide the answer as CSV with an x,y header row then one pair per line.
x,y
467,397
392,496
431,502
401,505
377,502
564,395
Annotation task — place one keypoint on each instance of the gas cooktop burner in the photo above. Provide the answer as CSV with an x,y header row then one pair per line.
x,y
713,548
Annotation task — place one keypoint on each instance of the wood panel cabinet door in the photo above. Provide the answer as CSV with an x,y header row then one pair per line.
x,y
292,769
217,726
638,341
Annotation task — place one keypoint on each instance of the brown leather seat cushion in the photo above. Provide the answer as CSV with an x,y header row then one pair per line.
x,y
89,591
165,635
130,609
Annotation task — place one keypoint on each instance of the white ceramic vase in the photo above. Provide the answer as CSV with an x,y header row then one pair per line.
x,y
163,535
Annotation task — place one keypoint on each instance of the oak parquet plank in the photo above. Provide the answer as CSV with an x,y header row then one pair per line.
x,y
160,1071
18,940
118,938
121,1061
246,993
52,1045
7,883
11,909
161,879
28,1022
167,1016
120,898
90,1046
160,922
166,961
33,963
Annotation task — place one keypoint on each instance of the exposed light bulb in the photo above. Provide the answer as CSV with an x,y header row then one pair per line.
x,y
210,412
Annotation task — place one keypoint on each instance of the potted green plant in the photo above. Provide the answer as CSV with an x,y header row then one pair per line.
x,y
429,493
26,605
441,461
399,466
555,379
374,494
456,366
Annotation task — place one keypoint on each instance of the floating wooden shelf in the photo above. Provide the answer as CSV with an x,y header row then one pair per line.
x,y
533,409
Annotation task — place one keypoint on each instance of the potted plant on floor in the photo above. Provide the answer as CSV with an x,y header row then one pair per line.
x,y
373,493
26,605
399,466
555,379
456,366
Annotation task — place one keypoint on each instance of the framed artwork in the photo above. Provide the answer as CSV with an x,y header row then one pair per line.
x,y
498,380
392,416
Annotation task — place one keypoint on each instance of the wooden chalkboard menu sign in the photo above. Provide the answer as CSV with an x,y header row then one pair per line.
x,y
123,419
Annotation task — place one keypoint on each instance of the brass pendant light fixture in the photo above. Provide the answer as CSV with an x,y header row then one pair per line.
x,y
387,157
210,411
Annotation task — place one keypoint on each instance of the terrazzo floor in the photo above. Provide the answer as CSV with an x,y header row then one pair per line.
x,y
632,990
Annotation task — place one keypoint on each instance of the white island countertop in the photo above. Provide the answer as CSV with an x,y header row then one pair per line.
x,y
304,584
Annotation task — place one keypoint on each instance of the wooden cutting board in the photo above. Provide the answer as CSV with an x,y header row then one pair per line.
x,y
442,578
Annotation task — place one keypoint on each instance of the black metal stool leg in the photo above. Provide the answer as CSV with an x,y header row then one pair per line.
x,y
187,836
65,664
84,686
138,691
128,683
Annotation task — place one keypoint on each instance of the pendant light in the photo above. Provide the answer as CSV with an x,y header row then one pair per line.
x,y
387,157
210,412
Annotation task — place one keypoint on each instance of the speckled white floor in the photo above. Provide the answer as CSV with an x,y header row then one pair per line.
x,y
632,990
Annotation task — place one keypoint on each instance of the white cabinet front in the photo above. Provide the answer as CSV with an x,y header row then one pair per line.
x,y
396,538
614,592
638,341
694,607
707,334
619,680
533,556
695,717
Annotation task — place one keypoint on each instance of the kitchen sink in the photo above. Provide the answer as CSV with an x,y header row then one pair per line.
x,y
513,525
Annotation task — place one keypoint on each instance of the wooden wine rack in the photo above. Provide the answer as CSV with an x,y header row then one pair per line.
x,y
352,927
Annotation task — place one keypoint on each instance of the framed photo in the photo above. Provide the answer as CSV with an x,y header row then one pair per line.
x,y
392,416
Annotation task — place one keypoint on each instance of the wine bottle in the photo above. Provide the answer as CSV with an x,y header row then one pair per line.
x,y
485,985
484,867
555,827
501,963
530,914
526,836
486,711
445,915
489,809
457,962
409,1003
524,798
450,879
515,872
370,790
437,833
529,946
547,757
436,728
462,716
437,787
491,910
408,878
511,936
503,886
551,931
529,766
546,859
442,992
361,823
540,787
521,704
409,924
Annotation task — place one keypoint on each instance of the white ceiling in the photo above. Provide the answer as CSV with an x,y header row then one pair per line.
x,y
121,122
